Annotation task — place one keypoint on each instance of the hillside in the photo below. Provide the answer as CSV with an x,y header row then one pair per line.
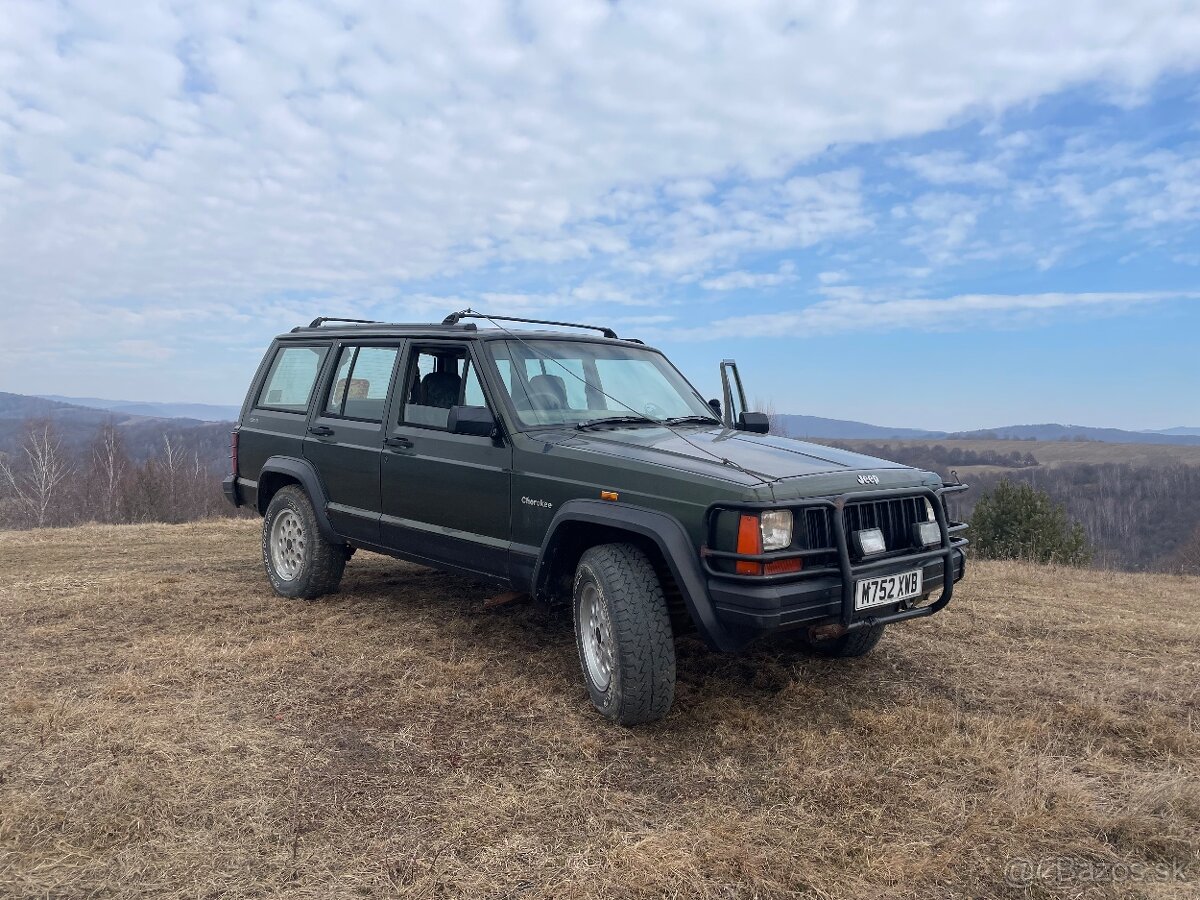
x,y
847,429
201,412
1060,453
817,426
1056,432
1139,504
76,426
172,728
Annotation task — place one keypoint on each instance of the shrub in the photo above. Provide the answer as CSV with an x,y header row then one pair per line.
x,y
1015,521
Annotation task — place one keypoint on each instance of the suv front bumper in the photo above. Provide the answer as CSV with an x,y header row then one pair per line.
x,y
749,604
741,606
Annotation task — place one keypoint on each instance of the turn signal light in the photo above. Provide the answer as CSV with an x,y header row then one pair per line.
x,y
750,542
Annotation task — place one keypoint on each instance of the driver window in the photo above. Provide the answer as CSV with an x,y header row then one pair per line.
x,y
439,378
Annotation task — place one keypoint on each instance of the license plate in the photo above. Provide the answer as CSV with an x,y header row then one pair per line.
x,y
887,589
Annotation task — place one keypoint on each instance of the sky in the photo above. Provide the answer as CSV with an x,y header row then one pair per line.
x,y
948,216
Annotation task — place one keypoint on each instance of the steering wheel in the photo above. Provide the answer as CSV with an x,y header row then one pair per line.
x,y
654,411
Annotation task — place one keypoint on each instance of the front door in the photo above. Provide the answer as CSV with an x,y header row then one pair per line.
x,y
345,436
445,495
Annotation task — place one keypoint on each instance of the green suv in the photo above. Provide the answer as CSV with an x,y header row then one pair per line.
x,y
581,468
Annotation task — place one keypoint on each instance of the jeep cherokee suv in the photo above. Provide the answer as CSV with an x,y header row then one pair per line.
x,y
585,469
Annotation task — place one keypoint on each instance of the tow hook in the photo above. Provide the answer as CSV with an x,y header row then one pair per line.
x,y
826,632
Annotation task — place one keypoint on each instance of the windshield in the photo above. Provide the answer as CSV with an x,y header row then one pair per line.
x,y
577,382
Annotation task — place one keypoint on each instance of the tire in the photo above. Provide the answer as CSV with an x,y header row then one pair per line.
x,y
300,562
859,642
631,676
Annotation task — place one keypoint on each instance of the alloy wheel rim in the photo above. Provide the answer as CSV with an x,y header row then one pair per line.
x,y
597,641
287,545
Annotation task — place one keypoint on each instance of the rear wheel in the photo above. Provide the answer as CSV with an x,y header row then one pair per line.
x,y
859,642
299,561
623,633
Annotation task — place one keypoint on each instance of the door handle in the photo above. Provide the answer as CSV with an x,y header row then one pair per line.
x,y
398,442
320,430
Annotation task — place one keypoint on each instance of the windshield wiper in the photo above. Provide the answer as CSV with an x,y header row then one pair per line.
x,y
683,420
617,420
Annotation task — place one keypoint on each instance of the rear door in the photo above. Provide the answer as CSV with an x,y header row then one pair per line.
x,y
345,434
444,495
275,420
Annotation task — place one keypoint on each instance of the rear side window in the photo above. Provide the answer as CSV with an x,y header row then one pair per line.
x,y
290,381
360,384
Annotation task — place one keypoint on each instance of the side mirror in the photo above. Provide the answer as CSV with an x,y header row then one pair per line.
x,y
757,423
715,405
734,394
473,420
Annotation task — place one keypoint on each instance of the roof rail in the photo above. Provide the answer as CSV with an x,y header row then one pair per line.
x,y
321,320
453,318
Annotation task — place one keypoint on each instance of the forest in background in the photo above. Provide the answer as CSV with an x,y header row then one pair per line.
x,y
1141,516
173,475
1137,517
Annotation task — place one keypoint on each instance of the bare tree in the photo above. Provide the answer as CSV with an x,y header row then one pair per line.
x,y
172,461
1187,557
46,467
109,464
762,405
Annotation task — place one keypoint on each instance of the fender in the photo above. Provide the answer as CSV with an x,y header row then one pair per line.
x,y
673,542
303,472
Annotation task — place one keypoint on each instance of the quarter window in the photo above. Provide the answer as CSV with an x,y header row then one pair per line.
x,y
360,384
290,381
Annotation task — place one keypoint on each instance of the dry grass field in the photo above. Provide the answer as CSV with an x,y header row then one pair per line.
x,y
170,728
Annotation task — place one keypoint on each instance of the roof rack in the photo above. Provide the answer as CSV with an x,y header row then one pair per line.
x,y
321,320
453,318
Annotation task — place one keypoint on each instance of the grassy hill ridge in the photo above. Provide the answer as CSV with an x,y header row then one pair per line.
x,y
172,728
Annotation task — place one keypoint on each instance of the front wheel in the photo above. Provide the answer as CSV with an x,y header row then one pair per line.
x,y
299,561
623,633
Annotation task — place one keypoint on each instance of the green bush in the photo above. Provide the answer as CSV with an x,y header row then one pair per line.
x,y
1014,521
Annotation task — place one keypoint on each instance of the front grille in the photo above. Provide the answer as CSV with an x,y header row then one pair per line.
x,y
812,531
894,517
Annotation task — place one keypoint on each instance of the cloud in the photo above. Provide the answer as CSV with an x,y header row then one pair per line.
x,y
750,218
234,150
740,280
853,309
201,176
952,167
942,223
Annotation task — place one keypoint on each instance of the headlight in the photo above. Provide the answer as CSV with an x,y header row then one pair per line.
x,y
927,533
870,541
776,526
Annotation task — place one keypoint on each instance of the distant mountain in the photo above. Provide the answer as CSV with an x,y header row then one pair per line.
x,y
1056,432
143,435
201,412
817,427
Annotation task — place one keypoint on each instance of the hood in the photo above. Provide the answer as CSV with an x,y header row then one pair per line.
x,y
767,457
